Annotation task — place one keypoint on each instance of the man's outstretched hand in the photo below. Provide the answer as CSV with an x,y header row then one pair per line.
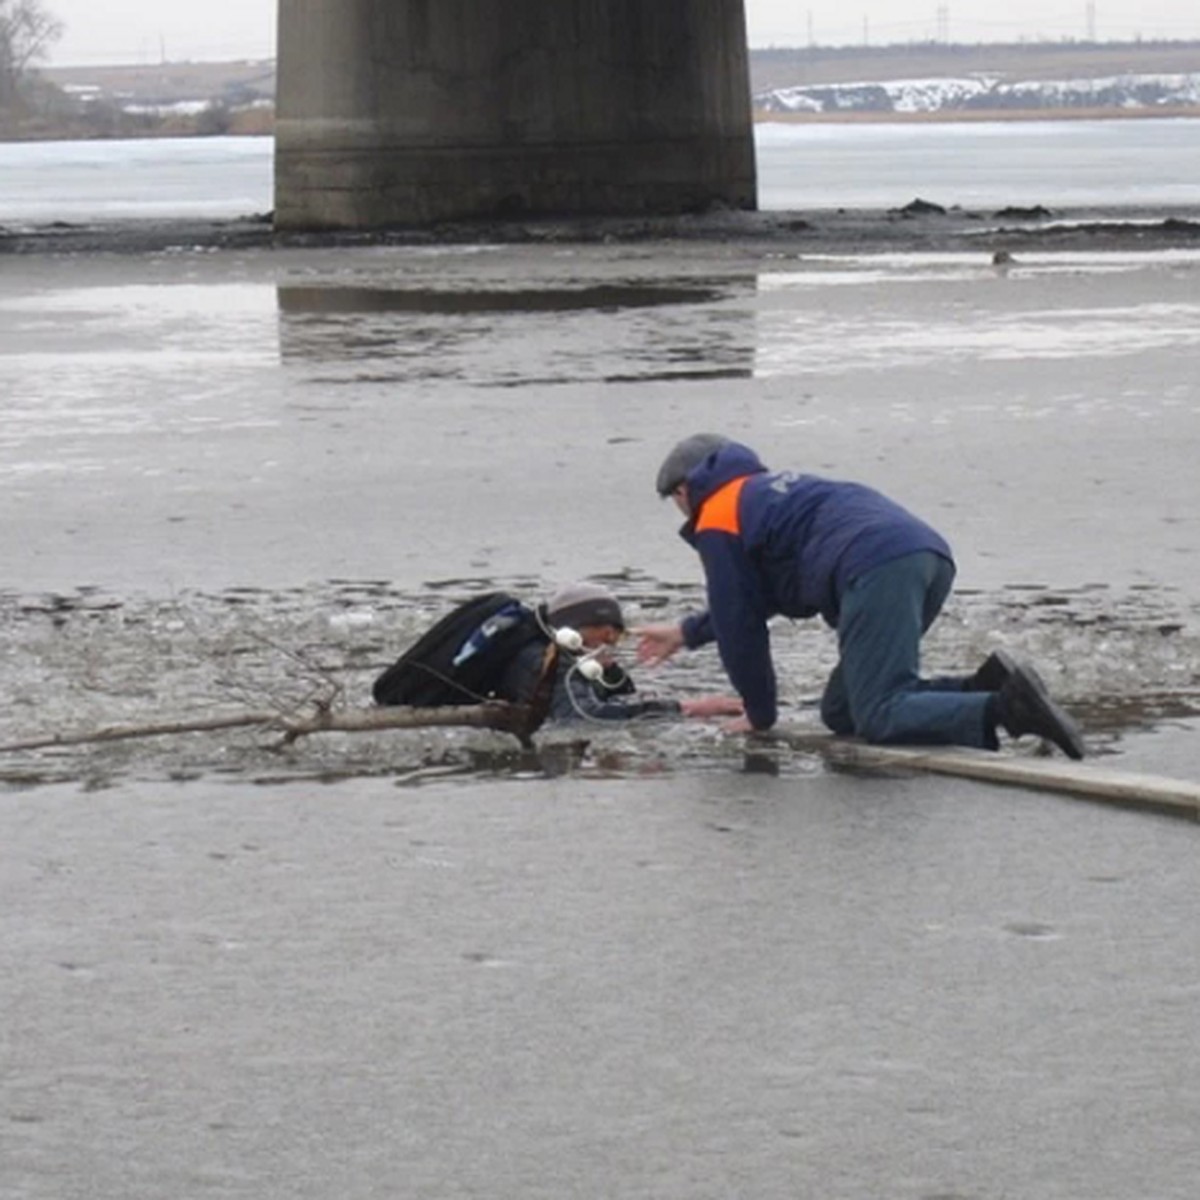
x,y
656,643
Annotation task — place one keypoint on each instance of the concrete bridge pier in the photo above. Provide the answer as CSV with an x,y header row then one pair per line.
x,y
408,112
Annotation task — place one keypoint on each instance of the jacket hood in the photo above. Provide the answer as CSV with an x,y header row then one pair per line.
x,y
730,461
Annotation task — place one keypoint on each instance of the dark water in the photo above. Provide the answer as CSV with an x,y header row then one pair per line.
x,y
87,659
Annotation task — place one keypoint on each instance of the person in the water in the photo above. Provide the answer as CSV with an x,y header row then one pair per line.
x,y
555,658
595,614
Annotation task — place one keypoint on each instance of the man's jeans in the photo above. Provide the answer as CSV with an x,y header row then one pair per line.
x,y
876,691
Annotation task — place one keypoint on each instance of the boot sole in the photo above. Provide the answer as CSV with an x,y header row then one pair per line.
x,y
1064,732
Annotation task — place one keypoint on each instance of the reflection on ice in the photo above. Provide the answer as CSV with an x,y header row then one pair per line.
x,y
345,299
463,316
506,336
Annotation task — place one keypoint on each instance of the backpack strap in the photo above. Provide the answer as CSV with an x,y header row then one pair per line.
x,y
538,707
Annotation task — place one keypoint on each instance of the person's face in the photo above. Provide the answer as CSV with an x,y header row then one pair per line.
x,y
600,637
680,496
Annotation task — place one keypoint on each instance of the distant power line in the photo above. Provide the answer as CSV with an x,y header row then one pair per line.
x,y
1088,21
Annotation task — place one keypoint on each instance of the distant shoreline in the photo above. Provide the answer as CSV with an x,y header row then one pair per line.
x,y
261,127
250,123
241,94
976,116
918,227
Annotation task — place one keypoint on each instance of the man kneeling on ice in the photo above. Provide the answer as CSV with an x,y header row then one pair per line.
x,y
558,654
800,545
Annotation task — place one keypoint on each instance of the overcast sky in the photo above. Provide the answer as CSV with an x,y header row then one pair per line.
x,y
133,31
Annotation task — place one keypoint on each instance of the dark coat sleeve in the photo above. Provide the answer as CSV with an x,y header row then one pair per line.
x,y
738,611
697,630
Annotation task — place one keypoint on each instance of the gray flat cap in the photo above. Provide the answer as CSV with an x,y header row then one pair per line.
x,y
683,457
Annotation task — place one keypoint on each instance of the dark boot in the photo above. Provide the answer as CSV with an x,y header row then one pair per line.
x,y
991,676
1024,706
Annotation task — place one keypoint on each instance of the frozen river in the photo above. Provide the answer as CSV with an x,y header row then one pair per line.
x,y
661,965
1146,162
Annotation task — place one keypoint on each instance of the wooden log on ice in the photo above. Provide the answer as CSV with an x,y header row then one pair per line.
x,y
1091,780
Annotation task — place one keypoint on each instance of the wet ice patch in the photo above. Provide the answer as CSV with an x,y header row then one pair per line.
x,y
86,660
839,270
842,315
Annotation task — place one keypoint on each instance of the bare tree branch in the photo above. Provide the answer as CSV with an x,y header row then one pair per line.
x,y
506,718
27,30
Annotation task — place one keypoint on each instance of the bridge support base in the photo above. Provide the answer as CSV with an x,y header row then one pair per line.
x,y
410,112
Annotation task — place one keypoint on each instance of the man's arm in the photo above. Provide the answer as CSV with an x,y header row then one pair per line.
x,y
739,615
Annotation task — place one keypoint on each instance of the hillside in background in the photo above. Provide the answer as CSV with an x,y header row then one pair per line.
x,y
164,84
783,68
812,83
985,81
163,99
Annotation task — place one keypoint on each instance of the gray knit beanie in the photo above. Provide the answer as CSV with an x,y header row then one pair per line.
x,y
580,604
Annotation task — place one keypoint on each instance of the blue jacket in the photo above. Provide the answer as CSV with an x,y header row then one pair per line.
x,y
781,543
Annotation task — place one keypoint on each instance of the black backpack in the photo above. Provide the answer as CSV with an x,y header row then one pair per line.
x,y
463,657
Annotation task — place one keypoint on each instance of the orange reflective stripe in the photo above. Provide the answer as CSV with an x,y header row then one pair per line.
x,y
720,510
